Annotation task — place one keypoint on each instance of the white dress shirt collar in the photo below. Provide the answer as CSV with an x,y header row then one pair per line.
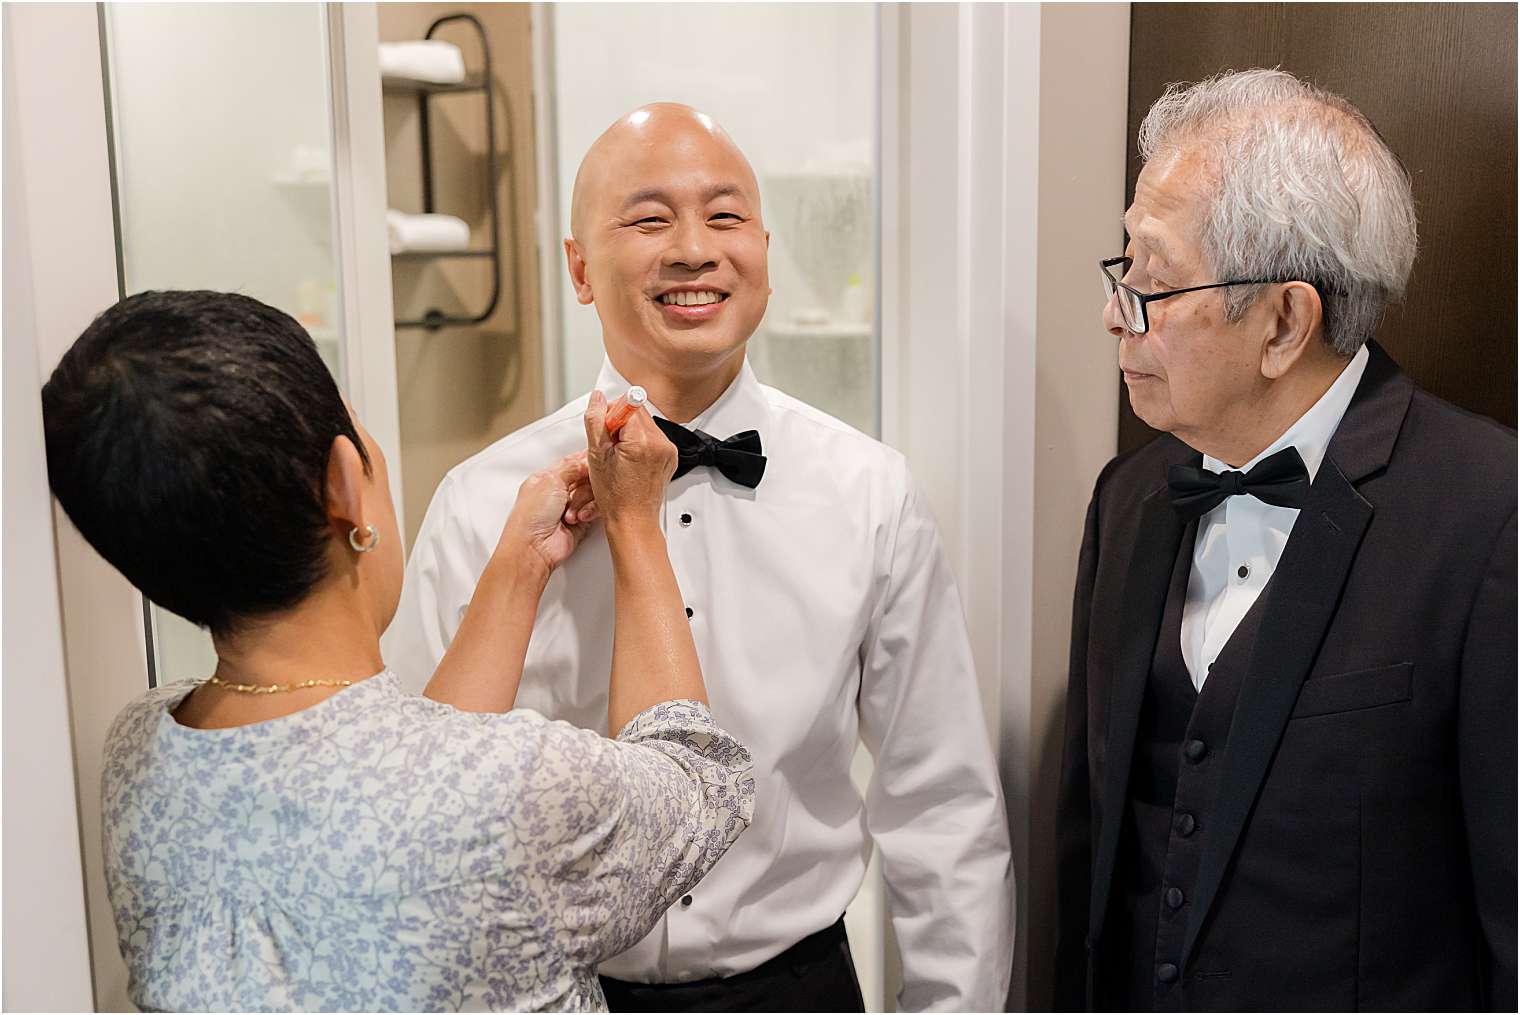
x,y
1312,432
742,406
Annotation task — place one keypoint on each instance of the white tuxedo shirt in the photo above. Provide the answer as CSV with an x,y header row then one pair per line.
x,y
824,612
1240,542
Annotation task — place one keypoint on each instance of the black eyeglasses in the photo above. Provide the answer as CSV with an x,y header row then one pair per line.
x,y
1132,301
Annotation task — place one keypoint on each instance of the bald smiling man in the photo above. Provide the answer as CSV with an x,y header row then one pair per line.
x,y
821,603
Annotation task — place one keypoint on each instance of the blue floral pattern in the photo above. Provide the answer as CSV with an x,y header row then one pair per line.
x,y
381,851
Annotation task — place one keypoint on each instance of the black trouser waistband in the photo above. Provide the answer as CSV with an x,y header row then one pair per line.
x,y
816,970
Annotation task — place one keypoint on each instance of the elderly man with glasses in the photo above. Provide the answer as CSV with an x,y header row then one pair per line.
x,y
1289,775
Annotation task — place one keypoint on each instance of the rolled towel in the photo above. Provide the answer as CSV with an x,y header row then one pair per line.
x,y
430,60
426,233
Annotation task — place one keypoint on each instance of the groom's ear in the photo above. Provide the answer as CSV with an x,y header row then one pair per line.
x,y
575,261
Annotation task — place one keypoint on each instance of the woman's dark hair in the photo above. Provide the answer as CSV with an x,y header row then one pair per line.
x,y
187,438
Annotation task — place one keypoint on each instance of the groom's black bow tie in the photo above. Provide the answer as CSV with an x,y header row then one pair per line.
x,y
738,458
1279,479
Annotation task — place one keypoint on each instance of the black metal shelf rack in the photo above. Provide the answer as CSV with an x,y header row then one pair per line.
x,y
426,91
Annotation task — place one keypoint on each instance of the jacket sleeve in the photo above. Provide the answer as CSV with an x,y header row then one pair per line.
x,y
1486,764
1074,826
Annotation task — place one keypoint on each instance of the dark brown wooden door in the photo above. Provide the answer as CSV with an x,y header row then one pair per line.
x,y
1438,80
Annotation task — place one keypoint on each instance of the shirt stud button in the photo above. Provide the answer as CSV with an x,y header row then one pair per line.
x,y
1243,572
686,520
686,900
690,613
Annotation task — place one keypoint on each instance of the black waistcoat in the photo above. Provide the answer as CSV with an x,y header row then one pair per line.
x,y
1178,749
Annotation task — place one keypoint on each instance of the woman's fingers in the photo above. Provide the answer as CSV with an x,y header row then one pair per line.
x,y
571,469
578,532
581,494
642,431
597,437
582,506
640,427
629,470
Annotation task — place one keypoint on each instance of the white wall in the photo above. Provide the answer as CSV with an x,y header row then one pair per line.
x,y
59,135
794,84
47,957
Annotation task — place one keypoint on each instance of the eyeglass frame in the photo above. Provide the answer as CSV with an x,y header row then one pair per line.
x,y
1145,298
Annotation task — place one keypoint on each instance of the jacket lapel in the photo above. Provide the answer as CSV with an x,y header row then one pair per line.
x,y
1305,591
1155,535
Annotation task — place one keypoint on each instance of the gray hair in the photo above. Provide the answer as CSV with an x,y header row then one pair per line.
x,y
1303,188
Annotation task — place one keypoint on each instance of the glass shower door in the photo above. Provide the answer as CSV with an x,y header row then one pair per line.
x,y
221,123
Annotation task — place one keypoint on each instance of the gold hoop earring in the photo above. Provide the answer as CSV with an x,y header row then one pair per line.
x,y
369,531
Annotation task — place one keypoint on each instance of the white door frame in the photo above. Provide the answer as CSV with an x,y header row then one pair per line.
x,y
551,262
359,199
958,263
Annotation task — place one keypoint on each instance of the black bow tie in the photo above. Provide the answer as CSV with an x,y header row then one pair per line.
x,y
1279,479
738,458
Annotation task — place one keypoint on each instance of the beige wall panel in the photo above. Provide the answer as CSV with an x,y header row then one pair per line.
x,y
1084,60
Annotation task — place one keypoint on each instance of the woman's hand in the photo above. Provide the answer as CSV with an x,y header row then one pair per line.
x,y
554,509
629,469
483,666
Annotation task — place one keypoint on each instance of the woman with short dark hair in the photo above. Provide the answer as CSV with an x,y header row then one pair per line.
x,y
296,832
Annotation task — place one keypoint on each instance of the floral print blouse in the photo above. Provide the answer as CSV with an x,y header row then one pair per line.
x,y
383,851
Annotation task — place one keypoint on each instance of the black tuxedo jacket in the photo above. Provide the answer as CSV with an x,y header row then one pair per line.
x,y
1360,851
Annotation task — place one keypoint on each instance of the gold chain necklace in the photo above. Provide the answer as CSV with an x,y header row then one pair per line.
x,y
275,688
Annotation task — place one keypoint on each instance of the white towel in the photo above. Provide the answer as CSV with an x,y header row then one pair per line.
x,y
430,60
426,233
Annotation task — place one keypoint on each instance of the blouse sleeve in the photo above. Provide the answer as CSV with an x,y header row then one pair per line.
x,y
645,817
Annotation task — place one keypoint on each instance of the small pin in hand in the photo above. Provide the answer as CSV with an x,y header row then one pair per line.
x,y
619,411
